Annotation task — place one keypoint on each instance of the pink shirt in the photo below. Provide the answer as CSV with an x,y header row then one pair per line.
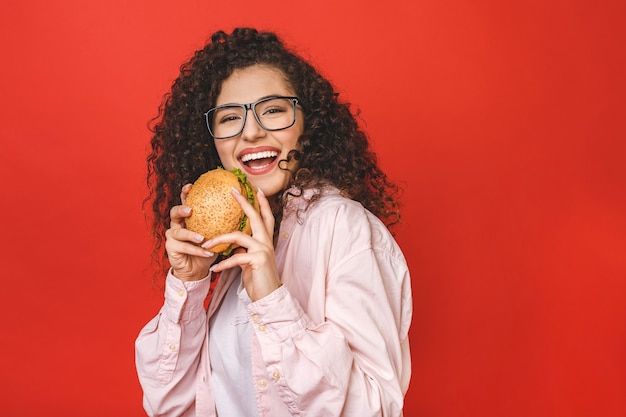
x,y
332,341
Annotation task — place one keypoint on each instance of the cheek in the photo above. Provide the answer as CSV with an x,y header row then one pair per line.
x,y
294,139
224,152
292,144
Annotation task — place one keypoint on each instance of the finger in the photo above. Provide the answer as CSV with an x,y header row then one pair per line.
x,y
184,235
259,229
178,215
266,211
184,192
176,247
260,276
238,239
238,259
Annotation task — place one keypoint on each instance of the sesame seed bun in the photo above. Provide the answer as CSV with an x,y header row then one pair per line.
x,y
214,209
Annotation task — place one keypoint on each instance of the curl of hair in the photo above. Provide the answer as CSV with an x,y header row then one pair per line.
x,y
334,150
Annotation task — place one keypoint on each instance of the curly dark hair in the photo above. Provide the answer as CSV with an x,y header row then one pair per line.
x,y
334,150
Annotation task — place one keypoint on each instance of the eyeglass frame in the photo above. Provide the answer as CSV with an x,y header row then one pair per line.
x,y
251,106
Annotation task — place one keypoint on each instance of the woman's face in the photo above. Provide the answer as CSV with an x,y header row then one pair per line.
x,y
257,151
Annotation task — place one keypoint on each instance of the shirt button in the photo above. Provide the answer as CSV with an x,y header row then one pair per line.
x,y
276,374
181,293
256,319
172,347
262,383
285,235
262,329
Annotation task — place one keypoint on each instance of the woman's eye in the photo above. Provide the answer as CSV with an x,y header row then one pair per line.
x,y
226,119
228,115
273,110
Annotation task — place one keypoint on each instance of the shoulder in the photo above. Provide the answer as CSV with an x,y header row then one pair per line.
x,y
328,204
331,200
350,225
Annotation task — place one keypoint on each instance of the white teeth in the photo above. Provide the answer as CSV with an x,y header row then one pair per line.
x,y
259,155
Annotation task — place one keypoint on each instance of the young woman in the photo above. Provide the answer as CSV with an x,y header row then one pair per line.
x,y
310,316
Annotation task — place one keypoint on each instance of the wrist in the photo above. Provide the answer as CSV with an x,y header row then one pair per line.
x,y
186,276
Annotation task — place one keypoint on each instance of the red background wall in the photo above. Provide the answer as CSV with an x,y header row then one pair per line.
x,y
504,120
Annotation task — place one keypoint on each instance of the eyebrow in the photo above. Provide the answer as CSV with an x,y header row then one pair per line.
x,y
260,98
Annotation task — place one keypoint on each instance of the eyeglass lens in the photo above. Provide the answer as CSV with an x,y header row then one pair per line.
x,y
272,114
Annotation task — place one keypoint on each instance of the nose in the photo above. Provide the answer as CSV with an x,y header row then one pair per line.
x,y
251,128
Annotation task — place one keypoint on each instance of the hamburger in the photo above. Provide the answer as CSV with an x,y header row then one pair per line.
x,y
214,209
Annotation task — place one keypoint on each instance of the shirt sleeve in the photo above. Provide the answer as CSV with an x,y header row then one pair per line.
x,y
167,350
356,361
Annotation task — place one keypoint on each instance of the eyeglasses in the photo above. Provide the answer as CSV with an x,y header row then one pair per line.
x,y
272,113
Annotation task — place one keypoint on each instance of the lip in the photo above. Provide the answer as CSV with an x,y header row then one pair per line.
x,y
258,171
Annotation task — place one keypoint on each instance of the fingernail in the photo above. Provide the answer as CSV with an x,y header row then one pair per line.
x,y
236,190
186,210
205,244
260,191
207,253
198,238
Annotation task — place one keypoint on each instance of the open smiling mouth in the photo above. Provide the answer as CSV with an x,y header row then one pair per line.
x,y
259,160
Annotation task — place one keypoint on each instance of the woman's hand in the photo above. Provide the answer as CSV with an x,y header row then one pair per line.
x,y
256,253
189,261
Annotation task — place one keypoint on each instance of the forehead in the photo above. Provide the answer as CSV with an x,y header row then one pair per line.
x,y
252,83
